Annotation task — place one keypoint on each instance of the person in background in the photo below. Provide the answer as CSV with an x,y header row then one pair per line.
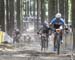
x,y
16,35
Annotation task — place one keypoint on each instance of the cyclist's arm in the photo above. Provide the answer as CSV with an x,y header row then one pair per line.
x,y
40,30
52,23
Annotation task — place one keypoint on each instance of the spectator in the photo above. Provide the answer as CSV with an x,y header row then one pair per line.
x,y
16,35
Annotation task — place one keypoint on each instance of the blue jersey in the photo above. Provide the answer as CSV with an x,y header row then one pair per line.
x,y
54,21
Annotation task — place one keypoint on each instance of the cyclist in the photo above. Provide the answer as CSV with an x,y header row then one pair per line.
x,y
44,30
55,24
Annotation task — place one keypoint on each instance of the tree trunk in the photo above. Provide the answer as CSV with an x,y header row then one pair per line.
x,y
2,15
18,13
51,9
38,13
66,11
73,21
10,16
42,11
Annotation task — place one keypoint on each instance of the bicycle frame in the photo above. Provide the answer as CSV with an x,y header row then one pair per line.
x,y
57,32
44,41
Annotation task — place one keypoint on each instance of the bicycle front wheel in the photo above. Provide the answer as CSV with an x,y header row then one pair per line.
x,y
58,44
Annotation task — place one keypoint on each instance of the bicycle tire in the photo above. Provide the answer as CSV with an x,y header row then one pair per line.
x,y
58,44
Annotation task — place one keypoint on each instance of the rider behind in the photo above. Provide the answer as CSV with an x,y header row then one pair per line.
x,y
44,27
44,30
55,23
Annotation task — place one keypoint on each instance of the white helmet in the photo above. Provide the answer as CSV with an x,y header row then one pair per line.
x,y
58,15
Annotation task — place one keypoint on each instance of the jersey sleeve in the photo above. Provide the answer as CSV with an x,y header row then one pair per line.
x,y
52,21
63,21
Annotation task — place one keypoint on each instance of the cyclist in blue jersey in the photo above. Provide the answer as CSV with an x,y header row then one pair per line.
x,y
56,22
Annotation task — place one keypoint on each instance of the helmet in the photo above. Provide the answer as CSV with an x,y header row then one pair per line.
x,y
58,15
45,23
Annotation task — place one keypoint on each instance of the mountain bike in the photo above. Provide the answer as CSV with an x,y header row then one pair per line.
x,y
44,41
58,40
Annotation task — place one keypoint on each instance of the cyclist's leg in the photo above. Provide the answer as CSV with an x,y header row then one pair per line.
x,y
41,43
17,38
47,42
61,35
14,40
47,36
